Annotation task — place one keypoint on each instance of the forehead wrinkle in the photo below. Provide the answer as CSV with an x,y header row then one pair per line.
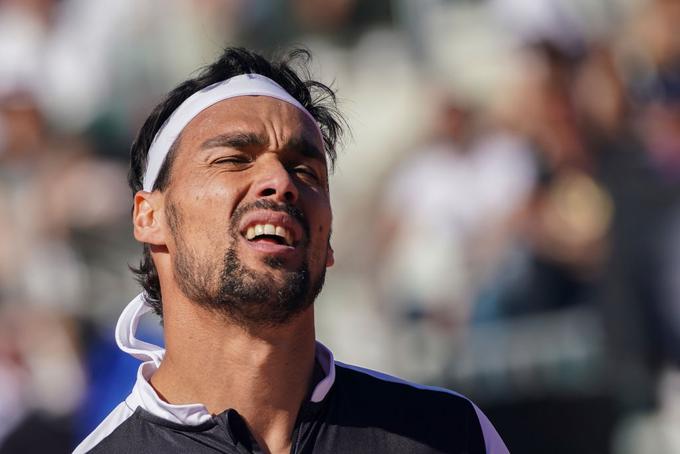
x,y
297,132
287,125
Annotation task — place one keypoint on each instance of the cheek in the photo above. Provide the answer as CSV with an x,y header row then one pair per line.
x,y
207,214
321,229
320,217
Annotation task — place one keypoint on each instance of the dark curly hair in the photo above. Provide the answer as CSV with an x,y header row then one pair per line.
x,y
290,71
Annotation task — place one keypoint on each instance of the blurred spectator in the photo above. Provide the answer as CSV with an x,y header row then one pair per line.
x,y
42,380
49,189
440,211
564,226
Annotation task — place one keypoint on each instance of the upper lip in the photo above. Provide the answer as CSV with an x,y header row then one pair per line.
x,y
275,218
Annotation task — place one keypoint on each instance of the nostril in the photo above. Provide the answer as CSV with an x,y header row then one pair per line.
x,y
268,191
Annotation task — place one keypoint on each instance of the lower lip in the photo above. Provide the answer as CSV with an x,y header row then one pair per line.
x,y
270,248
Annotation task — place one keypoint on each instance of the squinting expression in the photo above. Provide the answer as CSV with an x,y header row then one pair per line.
x,y
248,208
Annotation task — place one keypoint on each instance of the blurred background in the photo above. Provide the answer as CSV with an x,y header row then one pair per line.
x,y
507,214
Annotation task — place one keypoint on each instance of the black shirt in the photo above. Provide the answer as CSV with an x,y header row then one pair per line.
x,y
349,410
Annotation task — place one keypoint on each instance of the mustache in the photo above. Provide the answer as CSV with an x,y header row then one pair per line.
x,y
266,204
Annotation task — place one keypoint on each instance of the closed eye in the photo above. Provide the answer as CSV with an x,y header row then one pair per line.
x,y
307,172
232,160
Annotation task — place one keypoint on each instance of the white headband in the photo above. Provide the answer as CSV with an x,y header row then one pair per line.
x,y
242,85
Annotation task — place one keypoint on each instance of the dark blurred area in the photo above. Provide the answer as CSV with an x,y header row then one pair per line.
x,y
506,209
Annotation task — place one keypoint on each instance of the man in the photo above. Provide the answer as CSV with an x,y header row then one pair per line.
x,y
231,202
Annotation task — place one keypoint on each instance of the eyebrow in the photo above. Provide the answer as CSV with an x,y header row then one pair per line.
x,y
305,148
240,140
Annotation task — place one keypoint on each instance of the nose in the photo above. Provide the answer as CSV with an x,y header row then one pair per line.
x,y
275,182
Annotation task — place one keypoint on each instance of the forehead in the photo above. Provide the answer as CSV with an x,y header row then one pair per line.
x,y
262,115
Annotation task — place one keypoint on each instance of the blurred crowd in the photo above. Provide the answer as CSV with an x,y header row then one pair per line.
x,y
506,206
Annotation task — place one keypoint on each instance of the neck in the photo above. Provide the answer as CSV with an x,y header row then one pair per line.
x,y
263,374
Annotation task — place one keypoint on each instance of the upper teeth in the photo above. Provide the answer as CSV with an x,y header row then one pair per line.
x,y
269,229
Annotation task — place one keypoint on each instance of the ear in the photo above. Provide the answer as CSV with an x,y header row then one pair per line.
x,y
146,218
330,258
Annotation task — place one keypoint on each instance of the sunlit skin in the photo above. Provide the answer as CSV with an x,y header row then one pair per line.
x,y
232,154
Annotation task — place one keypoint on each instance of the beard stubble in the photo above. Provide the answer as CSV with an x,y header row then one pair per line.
x,y
247,297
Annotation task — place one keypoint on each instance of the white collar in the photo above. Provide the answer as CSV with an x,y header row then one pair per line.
x,y
143,395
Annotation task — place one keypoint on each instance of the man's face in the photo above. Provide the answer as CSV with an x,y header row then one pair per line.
x,y
248,207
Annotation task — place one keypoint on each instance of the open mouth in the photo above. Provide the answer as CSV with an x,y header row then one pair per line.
x,y
269,233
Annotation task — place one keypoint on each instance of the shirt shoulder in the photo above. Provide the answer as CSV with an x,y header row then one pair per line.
x,y
440,418
113,421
